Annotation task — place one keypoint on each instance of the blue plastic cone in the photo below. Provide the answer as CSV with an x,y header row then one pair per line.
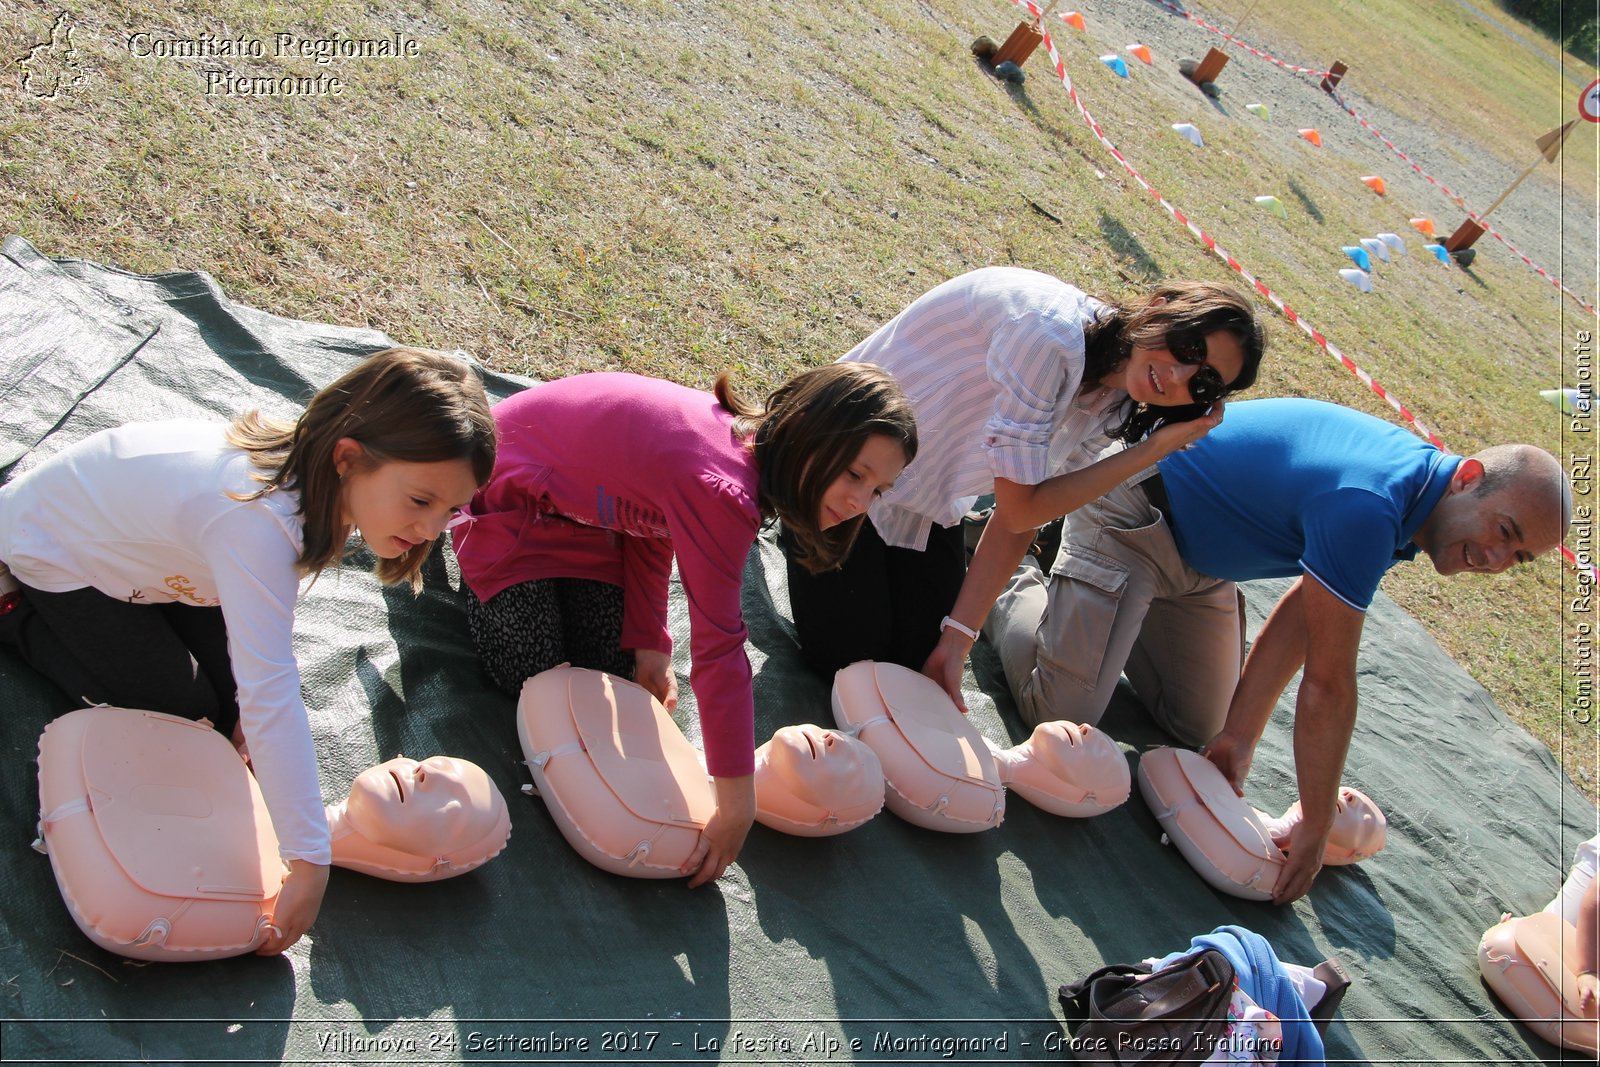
x,y
1396,243
1116,63
1439,253
1360,256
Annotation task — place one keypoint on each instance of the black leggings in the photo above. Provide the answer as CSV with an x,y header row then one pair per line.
x,y
884,604
528,628
171,658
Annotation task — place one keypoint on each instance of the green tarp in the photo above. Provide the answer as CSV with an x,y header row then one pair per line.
x,y
915,946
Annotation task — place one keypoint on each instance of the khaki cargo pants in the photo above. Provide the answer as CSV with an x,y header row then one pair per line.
x,y
1119,599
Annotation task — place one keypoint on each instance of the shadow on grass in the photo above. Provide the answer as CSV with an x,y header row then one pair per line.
x,y
1306,202
1131,254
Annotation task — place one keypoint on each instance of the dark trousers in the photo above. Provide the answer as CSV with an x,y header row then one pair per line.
x,y
528,628
884,604
171,658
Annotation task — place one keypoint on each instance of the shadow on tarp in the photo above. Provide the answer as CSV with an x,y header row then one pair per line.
x,y
889,935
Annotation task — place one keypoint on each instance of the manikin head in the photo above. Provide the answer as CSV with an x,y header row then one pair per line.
x,y
1067,769
1360,829
419,822
814,782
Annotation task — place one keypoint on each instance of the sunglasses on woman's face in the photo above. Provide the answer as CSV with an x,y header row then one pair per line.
x,y
1189,347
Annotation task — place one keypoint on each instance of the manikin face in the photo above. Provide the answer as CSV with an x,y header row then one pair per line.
x,y
424,809
398,505
822,767
869,476
1155,376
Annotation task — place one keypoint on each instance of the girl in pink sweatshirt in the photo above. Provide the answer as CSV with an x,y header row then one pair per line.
x,y
603,478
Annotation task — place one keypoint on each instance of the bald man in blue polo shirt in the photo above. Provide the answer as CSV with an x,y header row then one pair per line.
x,y
1144,581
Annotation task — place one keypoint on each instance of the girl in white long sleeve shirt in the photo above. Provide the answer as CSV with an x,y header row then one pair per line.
x,y
157,565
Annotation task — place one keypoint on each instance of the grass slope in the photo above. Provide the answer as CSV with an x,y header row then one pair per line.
x,y
679,188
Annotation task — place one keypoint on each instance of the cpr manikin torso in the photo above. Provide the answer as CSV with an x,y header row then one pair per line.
x,y
1231,845
628,791
1530,963
942,774
163,850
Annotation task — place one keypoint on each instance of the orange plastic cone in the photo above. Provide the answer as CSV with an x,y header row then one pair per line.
x,y
1424,225
1073,19
1142,52
1375,183
1313,136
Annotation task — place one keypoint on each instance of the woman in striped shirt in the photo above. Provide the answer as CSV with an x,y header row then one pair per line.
x,y
1017,380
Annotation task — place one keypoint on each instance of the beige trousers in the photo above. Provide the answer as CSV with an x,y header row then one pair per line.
x,y
1120,599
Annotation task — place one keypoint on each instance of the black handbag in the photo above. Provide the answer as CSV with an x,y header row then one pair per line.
x,y
1130,1014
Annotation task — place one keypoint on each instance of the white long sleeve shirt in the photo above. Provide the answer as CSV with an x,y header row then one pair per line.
x,y
142,513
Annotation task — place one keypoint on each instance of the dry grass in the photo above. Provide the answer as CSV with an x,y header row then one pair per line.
x,y
681,188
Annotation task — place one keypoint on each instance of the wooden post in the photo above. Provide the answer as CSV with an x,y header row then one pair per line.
x,y
1549,148
1335,72
1465,236
1210,66
1020,45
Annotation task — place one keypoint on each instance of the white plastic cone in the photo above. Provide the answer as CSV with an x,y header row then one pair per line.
x,y
1396,243
1189,132
1375,247
1358,278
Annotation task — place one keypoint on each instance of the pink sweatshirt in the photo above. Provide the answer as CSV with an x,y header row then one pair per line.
x,y
606,476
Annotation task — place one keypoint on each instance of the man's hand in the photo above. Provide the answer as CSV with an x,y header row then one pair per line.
x,y
723,838
653,670
1232,757
1305,850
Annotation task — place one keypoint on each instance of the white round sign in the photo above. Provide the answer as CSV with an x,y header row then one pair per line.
x,y
1589,102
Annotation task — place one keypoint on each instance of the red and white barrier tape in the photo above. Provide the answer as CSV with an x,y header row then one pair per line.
x,y
1198,21
1222,254
1338,99
1460,202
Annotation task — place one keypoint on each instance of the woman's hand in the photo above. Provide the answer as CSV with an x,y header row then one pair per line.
x,y
1176,436
298,903
947,664
653,670
723,837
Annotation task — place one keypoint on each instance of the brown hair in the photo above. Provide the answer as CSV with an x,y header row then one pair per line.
x,y
1200,307
406,404
812,429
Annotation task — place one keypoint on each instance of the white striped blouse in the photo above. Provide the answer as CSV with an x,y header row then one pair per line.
x,y
992,362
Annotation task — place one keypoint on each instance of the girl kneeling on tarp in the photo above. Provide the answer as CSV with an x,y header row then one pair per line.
x,y
604,478
159,562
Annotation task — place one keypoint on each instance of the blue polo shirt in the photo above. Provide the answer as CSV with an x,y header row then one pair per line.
x,y
1288,486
